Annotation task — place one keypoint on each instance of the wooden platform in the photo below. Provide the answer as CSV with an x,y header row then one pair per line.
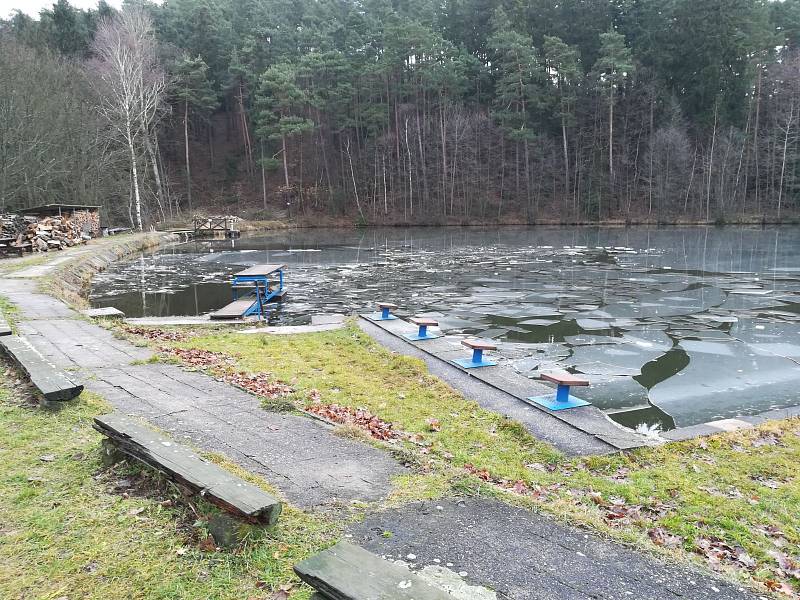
x,y
54,384
184,466
348,572
234,310
260,270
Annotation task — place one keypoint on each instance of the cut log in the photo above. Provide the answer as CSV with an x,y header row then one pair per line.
x,y
348,572
183,466
54,384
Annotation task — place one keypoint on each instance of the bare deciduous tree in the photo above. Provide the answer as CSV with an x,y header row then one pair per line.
x,y
131,85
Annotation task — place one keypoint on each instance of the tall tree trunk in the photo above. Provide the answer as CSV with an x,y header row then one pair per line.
x,y
186,151
286,162
755,137
211,143
355,185
263,177
711,164
156,174
783,161
410,179
442,129
567,186
652,152
691,180
611,136
137,200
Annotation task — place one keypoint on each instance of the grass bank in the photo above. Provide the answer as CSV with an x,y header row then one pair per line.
x,y
729,502
71,529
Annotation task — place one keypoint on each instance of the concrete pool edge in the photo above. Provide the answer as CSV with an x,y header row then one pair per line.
x,y
582,431
738,423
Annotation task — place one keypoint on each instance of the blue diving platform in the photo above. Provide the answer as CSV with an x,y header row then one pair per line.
x,y
253,289
562,399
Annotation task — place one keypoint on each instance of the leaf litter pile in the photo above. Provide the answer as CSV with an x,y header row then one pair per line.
x,y
156,335
260,384
201,359
358,417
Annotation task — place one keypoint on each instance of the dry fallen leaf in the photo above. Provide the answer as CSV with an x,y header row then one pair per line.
x,y
661,537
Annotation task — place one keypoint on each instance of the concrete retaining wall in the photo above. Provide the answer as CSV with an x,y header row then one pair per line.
x,y
71,281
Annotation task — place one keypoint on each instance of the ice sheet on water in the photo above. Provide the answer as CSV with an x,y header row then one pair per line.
x,y
586,339
538,322
725,379
769,338
655,305
613,392
649,339
611,359
593,324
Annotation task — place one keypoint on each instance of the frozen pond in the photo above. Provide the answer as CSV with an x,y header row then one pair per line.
x,y
673,326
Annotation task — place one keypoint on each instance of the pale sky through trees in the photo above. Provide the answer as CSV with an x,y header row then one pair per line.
x,y
32,7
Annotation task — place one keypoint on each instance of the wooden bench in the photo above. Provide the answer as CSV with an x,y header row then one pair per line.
x,y
348,572
385,313
54,385
478,347
183,466
422,334
562,398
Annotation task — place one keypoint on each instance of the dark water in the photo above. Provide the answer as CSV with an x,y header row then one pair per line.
x,y
673,326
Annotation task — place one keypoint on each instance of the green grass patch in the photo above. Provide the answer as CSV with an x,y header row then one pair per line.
x,y
9,312
687,499
66,531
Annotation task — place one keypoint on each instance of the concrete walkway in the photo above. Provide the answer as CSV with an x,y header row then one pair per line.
x,y
579,431
302,457
525,556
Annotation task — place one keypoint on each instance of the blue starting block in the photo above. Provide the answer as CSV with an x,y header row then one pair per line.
x,y
562,399
260,285
422,334
477,360
385,313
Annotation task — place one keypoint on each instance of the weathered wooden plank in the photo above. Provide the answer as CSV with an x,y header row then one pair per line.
x,y
234,310
260,270
53,383
348,572
184,466
564,378
479,344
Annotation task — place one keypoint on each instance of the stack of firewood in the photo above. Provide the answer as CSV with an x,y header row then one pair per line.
x,y
12,225
50,233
